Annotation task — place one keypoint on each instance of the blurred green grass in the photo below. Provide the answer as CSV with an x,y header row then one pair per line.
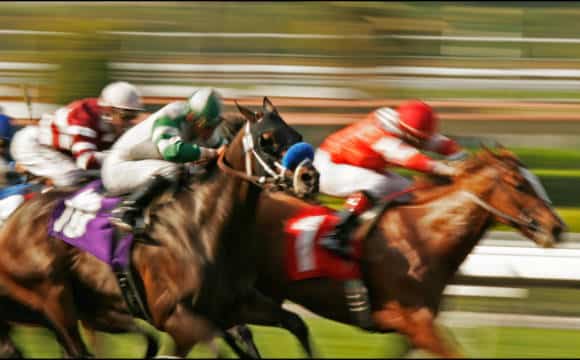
x,y
334,340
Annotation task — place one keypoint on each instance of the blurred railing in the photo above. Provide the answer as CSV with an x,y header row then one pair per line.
x,y
309,110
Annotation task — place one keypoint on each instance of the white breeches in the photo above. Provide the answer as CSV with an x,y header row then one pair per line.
x,y
43,161
121,176
8,205
343,180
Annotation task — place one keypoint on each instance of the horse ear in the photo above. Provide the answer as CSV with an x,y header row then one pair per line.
x,y
487,152
504,152
485,148
268,106
248,114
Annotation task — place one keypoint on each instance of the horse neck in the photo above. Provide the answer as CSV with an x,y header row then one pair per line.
x,y
205,216
442,230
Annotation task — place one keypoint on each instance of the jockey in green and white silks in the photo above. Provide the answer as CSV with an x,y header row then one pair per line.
x,y
146,157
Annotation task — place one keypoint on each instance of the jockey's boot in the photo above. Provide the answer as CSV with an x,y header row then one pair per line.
x,y
130,209
355,204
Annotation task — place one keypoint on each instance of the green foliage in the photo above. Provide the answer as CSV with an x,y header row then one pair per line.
x,y
82,58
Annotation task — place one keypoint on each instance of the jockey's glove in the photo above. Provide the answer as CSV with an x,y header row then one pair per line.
x,y
460,155
207,153
440,168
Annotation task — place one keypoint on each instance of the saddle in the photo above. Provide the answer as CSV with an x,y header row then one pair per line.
x,y
82,220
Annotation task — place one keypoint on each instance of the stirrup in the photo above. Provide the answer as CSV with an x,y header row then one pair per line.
x,y
358,303
118,215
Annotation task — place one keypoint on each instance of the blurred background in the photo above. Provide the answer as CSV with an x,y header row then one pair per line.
x,y
495,71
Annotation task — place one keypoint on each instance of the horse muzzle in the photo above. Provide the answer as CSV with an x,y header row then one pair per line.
x,y
547,237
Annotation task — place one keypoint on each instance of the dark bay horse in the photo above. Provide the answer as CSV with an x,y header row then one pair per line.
x,y
414,250
196,281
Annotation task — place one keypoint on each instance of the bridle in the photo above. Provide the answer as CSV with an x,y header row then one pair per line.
x,y
250,151
522,219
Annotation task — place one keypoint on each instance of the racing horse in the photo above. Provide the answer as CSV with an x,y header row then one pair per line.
x,y
411,251
197,276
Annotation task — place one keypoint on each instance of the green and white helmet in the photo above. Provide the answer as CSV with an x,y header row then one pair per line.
x,y
206,104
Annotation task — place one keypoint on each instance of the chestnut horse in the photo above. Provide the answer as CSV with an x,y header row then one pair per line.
x,y
198,277
412,251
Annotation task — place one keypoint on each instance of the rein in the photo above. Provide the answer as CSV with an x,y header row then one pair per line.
x,y
256,180
374,214
528,223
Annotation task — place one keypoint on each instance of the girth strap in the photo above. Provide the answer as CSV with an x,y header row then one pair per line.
x,y
129,287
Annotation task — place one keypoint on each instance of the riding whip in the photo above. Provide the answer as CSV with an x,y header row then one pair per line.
x,y
27,100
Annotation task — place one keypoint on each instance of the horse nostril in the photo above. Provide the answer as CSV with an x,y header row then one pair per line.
x,y
557,231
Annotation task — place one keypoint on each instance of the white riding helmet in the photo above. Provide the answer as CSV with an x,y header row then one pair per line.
x,y
206,104
121,95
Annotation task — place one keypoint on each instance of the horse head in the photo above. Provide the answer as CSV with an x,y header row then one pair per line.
x,y
257,152
512,194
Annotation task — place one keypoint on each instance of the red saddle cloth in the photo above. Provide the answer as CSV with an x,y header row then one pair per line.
x,y
305,257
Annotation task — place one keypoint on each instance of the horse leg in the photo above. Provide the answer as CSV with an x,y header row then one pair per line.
x,y
8,350
60,310
187,329
418,324
55,302
243,334
119,323
261,310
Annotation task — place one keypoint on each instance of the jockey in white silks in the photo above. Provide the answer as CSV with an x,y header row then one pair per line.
x,y
72,140
146,158
354,161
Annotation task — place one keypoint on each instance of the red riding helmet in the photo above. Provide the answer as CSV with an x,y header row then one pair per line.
x,y
417,119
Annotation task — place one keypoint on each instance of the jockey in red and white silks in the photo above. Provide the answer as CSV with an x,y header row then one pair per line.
x,y
357,158
65,144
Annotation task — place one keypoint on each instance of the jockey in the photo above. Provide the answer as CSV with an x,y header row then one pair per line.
x,y
67,143
148,155
6,133
354,160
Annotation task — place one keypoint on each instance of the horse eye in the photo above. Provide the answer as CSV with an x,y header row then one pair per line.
x,y
267,142
521,186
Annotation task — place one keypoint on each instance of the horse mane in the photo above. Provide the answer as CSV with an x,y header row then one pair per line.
x,y
431,186
186,202
230,125
228,128
427,183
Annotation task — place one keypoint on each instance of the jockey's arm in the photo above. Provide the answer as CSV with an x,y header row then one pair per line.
x,y
443,145
84,149
167,137
398,153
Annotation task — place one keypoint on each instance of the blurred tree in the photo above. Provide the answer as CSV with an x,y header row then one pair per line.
x,y
82,54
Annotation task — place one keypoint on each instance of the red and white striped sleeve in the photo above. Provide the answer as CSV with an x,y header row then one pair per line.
x,y
84,137
442,145
396,152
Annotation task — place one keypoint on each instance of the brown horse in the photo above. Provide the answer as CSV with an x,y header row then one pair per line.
x,y
412,251
197,280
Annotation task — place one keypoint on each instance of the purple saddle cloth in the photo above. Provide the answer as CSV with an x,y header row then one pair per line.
x,y
82,220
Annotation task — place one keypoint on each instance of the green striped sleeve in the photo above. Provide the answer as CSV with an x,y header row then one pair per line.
x,y
167,137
